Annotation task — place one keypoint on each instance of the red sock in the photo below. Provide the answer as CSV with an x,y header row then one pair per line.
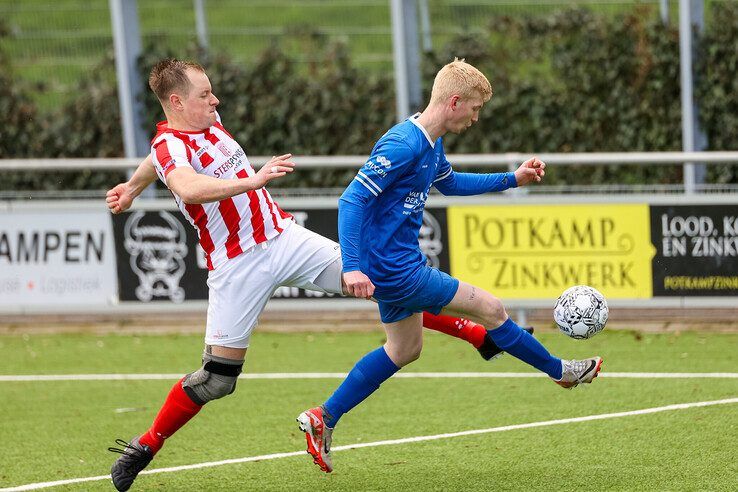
x,y
456,327
177,410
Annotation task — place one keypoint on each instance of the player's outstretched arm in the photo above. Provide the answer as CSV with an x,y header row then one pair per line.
x,y
350,215
121,196
196,188
531,171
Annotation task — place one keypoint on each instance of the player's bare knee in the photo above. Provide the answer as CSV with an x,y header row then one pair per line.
x,y
408,353
413,353
494,312
215,379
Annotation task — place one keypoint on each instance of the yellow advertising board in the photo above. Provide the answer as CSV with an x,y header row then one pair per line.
x,y
537,251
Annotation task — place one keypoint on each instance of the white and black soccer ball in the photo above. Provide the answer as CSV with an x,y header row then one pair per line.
x,y
581,312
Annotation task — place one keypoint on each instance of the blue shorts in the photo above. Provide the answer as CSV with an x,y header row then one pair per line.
x,y
431,290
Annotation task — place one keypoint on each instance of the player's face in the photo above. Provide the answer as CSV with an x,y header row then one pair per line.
x,y
200,102
465,112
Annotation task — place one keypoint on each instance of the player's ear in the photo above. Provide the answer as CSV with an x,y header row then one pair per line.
x,y
455,101
175,101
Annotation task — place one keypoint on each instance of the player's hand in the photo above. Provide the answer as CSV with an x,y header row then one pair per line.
x,y
277,167
358,284
531,171
119,198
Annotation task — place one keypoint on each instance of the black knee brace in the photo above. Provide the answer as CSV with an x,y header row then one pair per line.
x,y
215,379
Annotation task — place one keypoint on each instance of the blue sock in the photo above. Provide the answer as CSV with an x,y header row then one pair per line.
x,y
363,380
517,342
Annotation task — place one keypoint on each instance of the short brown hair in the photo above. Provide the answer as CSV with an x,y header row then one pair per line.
x,y
169,75
459,77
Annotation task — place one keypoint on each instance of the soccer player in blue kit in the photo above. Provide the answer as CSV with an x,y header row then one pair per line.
x,y
379,217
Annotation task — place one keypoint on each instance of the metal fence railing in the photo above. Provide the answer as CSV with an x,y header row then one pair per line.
x,y
459,161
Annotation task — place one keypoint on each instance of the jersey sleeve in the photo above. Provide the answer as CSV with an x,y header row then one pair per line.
x,y
169,153
350,217
463,184
450,182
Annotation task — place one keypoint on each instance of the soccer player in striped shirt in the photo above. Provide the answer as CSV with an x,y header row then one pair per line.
x,y
251,245
379,216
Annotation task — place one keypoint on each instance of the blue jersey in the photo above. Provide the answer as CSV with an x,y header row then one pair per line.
x,y
381,211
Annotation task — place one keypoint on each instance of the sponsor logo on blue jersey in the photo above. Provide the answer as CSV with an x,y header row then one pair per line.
x,y
383,161
380,167
414,202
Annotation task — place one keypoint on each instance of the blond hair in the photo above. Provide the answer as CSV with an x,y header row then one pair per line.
x,y
170,75
460,78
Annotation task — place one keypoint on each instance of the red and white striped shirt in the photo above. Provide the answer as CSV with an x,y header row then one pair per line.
x,y
229,227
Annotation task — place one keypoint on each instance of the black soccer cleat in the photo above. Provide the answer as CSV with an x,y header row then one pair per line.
x,y
134,458
489,349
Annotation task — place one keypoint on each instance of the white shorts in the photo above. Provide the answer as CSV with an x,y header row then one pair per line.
x,y
239,289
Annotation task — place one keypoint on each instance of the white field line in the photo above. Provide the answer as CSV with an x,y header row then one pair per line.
x,y
341,375
546,423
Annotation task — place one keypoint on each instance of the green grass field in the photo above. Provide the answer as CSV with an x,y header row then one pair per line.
x,y
60,430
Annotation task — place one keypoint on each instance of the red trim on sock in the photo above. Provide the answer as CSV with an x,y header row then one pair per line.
x,y
456,327
177,410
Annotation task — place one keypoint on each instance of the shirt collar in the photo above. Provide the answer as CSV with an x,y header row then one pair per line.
x,y
414,120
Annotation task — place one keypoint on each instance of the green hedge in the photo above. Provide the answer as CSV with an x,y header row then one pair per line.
x,y
575,81
717,89
578,82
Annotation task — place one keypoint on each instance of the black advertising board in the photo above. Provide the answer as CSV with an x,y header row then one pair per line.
x,y
159,259
696,250
433,238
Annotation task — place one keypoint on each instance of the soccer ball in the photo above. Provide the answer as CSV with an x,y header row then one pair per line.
x,y
581,312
